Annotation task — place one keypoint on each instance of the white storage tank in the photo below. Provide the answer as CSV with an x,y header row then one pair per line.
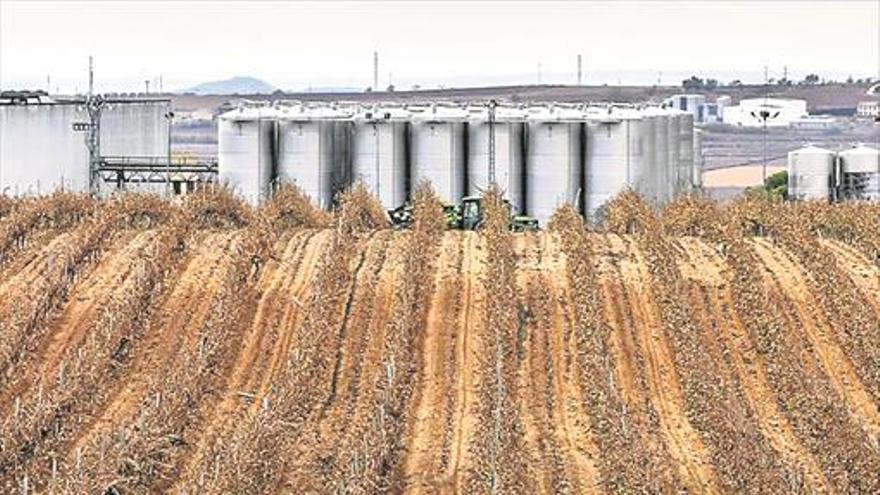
x,y
509,152
39,150
244,152
137,128
686,152
311,150
437,150
673,134
698,159
379,153
860,167
809,173
615,158
554,161
660,175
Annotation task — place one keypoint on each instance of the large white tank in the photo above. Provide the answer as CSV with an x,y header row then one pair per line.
x,y
509,151
615,147
438,150
379,152
698,159
809,173
860,167
660,174
39,150
135,129
554,160
686,152
311,150
244,152
673,134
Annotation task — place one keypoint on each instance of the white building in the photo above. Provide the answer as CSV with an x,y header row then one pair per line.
x,y
868,109
780,112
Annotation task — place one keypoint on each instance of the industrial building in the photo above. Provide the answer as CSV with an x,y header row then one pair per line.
x,y
544,156
41,151
779,112
820,174
703,112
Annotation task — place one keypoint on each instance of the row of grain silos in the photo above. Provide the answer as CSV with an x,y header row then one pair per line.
x,y
545,155
816,173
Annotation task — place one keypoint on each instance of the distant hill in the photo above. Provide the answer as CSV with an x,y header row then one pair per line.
x,y
236,85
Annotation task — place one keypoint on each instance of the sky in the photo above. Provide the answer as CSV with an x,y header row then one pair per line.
x,y
296,45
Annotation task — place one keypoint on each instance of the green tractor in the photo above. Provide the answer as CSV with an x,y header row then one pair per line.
x,y
467,216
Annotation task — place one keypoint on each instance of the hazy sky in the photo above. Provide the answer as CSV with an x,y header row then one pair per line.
x,y
294,44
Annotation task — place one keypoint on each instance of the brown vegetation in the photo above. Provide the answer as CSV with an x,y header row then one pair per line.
x,y
209,347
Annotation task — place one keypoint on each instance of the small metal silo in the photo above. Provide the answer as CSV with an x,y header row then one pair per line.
x,y
244,152
379,153
509,152
698,159
686,152
678,177
607,161
860,168
438,150
810,172
554,160
311,151
661,177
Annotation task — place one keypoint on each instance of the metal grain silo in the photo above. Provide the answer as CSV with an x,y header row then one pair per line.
x,y
607,158
135,128
311,151
245,152
39,150
554,160
379,153
860,168
509,152
698,159
686,152
809,173
661,176
438,150
678,176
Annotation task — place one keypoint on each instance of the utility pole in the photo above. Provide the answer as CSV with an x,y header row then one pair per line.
x,y
91,76
48,84
492,105
169,117
579,70
147,86
764,115
375,71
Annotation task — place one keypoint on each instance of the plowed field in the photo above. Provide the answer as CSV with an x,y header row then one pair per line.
x,y
211,348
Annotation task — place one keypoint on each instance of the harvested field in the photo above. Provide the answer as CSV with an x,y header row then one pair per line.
x,y
208,347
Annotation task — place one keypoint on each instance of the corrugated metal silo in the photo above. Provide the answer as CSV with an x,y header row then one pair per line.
x,y
135,129
310,150
40,152
860,167
809,173
554,161
438,150
509,151
245,152
661,174
686,151
678,177
606,160
379,153
698,159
